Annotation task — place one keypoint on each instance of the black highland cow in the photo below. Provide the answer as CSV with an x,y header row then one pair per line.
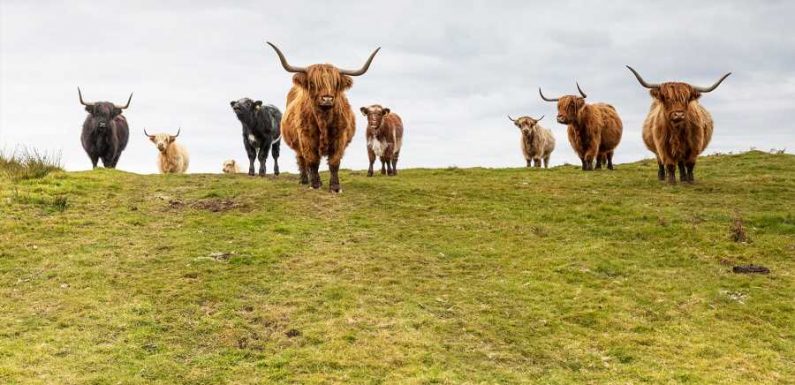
x,y
105,131
261,132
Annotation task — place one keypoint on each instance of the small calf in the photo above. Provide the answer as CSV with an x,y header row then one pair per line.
x,y
384,138
173,158
537,142
231,167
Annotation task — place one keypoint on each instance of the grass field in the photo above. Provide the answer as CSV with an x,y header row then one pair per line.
x,y
443,276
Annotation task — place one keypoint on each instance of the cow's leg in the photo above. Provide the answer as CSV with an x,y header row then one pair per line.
x,y
682,171
383,166
610,160
275,150
690,165
529,162
537,162
314,173
262,156
107,161
334,161
546,162
371,156
94,160
302,168
670,172
251,151
660,171
599,161
584,167
394,162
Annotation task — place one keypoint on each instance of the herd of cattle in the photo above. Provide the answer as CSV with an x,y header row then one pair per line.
x,y
319,122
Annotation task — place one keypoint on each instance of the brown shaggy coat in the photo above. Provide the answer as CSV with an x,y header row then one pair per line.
x,y
173,157
537,142
594,130
677,143
384,138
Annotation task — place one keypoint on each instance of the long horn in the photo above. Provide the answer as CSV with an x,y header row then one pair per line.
x,y
580,89
364,68
147,134
512,119
80,95
126,105
287,66
643,82
546,98
178,130
539,119
714,86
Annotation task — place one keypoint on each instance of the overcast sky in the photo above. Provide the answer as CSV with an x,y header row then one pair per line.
x,y
451,69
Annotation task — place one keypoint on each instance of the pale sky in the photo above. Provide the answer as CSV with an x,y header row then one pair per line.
x,y
451,69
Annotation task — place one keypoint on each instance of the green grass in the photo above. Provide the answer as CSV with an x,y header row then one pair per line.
x,y
28,163
445,276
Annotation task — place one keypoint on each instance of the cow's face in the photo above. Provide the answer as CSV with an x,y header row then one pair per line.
x,y
162,141
675,97
527,125
103,113
375,115
324,83
568,108
245,107
229,166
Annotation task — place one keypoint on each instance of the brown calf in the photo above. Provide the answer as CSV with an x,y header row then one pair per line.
x,y
384,138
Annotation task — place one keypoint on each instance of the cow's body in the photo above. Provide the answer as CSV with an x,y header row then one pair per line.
x,y
678,128
537,142
261,132
105,132
594,130
318,120
384,138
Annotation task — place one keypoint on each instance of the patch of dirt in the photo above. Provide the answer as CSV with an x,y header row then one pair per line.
x,y
750,269
216,205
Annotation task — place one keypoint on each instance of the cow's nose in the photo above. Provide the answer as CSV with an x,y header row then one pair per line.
x,y
327,99
561,119
677,116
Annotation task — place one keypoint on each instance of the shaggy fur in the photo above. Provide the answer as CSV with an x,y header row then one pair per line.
x,y
261,132
231,167
537,142
173,158
384,138
105,134
319,121
594,130
676,143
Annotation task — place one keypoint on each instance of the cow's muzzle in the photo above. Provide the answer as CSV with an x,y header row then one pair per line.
x,y
677,116
562,119
326,102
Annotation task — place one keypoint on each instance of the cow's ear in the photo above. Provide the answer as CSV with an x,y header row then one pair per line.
x,y
90,109
258,103
655,93
695,95
347,82
363,110
386,111
116,111
232,103
299,79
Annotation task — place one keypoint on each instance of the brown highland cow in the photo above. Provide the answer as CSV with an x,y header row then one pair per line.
x,y
678,128
318,120
594,129
384,138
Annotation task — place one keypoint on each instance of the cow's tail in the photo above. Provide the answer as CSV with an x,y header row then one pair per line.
x,y
277,139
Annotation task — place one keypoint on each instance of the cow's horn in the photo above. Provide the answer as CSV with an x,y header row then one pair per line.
x,y
714,86
640,79
364,68
178,130
80,95
287,66
546,98
580,89
539,119
147,134
511,119
126,105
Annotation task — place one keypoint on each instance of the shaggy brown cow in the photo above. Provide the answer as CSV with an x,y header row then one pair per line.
x,y
537,142
384,138
318,120
678,128
594,129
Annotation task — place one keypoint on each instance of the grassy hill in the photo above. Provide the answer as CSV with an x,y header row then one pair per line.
x,y
446,276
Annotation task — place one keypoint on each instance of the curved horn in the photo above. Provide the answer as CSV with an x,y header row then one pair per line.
x,y
364,68
126,105
178,130
511,119
287,66
147,134
714,86
643,82
80,95
539,119
580,89
546,98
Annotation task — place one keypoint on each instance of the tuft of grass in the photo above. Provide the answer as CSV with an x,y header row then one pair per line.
x,y
29,163
737,230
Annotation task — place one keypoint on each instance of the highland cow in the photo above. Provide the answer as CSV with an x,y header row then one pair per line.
x,y
537,142
678,128
173,157
261,132
384,138
230,167
594,129
318,120
105,131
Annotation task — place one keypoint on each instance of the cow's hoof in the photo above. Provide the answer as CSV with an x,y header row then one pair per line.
x,y
335,189
251,173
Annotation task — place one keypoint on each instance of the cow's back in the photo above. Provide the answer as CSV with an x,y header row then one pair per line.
x,y
121,131
395,126
611,126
